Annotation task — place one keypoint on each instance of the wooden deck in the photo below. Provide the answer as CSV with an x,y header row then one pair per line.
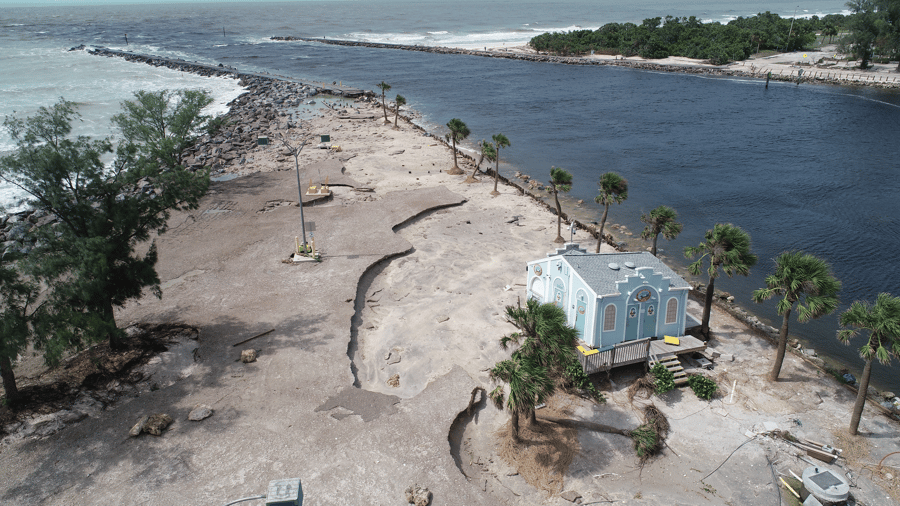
x,y
634,352
689,344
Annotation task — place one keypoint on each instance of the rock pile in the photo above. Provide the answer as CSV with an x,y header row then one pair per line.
x,y
16,230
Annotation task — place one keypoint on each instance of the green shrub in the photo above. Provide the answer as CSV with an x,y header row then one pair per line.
x,y
665,380
703,387
578,379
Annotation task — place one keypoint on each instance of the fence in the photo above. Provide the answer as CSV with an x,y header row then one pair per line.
x,y
604,359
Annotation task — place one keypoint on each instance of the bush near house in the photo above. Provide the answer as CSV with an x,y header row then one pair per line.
x,y
703,387
665,380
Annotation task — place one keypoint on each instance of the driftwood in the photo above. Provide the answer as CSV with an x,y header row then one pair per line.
x,y
252,338
581,424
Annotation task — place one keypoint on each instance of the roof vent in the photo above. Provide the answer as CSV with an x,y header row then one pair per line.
x,y
614,266
630,265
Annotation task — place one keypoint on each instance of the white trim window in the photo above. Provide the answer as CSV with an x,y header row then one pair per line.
x,y
609,318
672,311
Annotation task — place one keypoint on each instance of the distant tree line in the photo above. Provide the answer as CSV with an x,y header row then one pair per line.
x,y
873,28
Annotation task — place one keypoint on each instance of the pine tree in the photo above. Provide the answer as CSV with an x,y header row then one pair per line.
x,y
93,258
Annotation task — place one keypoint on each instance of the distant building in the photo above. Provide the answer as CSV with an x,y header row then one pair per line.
x,y
612,298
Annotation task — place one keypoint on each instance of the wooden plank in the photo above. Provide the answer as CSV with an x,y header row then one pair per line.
x,y
816,453
827,458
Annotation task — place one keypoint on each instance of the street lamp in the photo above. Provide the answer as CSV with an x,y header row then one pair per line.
x,y
295,151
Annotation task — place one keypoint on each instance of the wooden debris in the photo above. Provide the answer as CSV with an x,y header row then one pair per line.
x,y
252,338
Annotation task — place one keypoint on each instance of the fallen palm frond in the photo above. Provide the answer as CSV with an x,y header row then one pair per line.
x,y
650,436
643,388
544,451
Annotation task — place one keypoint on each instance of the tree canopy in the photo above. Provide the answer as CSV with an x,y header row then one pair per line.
x,y
560,181
725,247
882,320
803,280
611,189
94,257
660,220
688,37
458,132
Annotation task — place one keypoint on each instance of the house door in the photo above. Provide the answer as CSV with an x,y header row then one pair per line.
x,y
648,326
641,321
647,299
580,310
632,322
559,293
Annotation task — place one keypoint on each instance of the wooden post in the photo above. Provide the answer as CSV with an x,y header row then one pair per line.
x,y
768,76
126,39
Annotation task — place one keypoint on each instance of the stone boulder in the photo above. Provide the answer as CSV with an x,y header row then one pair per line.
x,y
418,495
200,412
248,356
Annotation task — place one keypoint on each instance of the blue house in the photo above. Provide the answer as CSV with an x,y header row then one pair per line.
x,y
612,298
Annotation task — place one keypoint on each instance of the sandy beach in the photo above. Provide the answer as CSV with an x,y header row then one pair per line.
x,y
362,388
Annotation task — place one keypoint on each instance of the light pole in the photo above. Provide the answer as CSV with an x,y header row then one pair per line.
x,y
296,152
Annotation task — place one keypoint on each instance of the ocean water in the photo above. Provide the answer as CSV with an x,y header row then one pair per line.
x,y
809,167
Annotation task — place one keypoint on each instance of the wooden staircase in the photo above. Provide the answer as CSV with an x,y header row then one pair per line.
x,y
671,362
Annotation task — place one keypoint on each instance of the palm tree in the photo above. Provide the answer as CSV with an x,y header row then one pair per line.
x,y
549,340
400,100
829,30
486,152
728,248
802,279
882,320
560,181
500,141
613,190
660,221
529,385
547,350
458,132
384,88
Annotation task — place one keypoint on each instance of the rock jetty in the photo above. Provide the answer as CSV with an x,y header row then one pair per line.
x,y
813,76
261,111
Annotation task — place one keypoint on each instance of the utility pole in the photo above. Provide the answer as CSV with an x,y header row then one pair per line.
x,y
787,45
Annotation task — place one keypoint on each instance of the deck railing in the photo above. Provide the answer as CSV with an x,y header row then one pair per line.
x,y
604,359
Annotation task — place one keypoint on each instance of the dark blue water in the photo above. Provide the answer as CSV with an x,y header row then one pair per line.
x,y
808,167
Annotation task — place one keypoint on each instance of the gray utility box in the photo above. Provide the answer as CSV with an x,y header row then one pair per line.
x,y
285,493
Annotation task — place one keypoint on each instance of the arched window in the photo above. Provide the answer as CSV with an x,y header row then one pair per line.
x,y
609,318
537,289
672,310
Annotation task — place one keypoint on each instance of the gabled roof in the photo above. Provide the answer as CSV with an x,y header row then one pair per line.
x,y
595,270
